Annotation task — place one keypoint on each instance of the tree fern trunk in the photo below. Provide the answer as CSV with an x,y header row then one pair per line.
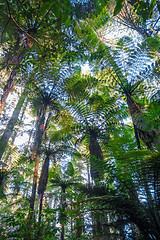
x,y
96,158
139,124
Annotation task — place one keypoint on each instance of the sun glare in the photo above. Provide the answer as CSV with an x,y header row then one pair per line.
x,y
85,69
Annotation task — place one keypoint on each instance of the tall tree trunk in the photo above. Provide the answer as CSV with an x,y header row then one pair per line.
x,y
79,225
96,162
43,182
16,60
28,234
96,157
63,214
15,132
7,89
10,126
41,126
71,223
121,227
139,123
40,129
34,184
21,118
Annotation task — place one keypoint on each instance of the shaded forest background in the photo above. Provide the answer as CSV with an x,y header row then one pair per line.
x,y
80,113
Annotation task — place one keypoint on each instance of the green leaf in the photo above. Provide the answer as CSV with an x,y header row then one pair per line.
x,y
118,6
64,17
70,169
45,7
68,22
57,10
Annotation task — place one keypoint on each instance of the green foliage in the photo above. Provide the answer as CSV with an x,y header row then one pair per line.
x,y
70,169
14,227
153,43
100,20
144,9
99,185
119,4
55,173
123,40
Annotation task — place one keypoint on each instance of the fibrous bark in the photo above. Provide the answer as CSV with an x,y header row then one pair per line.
x,y
140,126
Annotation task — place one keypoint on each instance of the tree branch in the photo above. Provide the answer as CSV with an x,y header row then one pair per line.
x,y
26,32
11,17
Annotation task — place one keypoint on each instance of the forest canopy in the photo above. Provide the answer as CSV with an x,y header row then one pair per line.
x,y
80,114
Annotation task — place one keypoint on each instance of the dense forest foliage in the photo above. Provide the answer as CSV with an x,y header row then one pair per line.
x,y
80,114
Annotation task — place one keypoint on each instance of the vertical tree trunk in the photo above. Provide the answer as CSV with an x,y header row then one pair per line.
x,y
21,118
36,152
88,174
41,126
96,162
7,89
79,224
29,234
121,227
43,182
34,185
71,224
63,214
15,132
10,126
40,209
40,129
16,60
96,157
